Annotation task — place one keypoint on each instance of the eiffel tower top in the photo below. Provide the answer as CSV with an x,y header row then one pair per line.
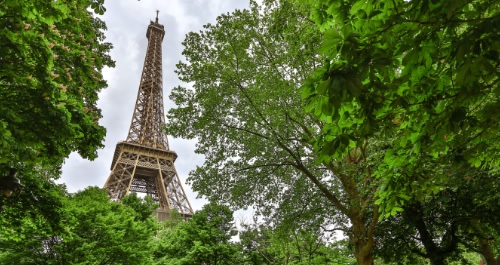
x,y
147,126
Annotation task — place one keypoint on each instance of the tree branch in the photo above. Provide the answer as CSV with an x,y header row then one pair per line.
x,y
245,130
264,165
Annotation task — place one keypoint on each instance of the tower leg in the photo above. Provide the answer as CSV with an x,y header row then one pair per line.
x,y
120,178
150,171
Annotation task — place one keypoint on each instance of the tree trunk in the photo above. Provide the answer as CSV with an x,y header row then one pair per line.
x,y
484,245
485,248
414,214
362,242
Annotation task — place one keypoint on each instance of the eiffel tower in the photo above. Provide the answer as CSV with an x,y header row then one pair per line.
x,y
144,162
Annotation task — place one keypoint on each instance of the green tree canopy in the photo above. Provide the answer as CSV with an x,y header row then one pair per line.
x,y
263,244
246,110
51,60
423,73
38,206
203,239
51,57
459,219
96,231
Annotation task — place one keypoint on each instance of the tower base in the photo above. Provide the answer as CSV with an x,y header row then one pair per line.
x,y
143,169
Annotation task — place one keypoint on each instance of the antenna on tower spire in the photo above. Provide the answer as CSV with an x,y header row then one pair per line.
x,y
157,11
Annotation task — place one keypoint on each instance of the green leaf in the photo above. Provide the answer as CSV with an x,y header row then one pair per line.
x,y
354,86
331,39
324,86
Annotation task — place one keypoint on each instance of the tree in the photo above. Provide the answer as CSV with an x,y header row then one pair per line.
x,y
459,219
143,207
51,61
38,204
286,245
424,73
203,239
245,109
95,231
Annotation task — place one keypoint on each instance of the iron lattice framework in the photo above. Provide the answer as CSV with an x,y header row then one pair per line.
x,y
144,162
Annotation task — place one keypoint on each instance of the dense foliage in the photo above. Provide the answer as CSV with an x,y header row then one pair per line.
x,y
95,231
444,226
291,245
52,56
424,73
204,239
374,119
337,111
246,110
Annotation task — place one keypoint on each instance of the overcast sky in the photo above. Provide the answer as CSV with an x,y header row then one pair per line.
x,y
127,21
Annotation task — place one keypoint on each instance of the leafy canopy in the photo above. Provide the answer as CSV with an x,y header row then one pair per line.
x,y
203,239
263,244
424,73
51,60
95,231
244,107
247,113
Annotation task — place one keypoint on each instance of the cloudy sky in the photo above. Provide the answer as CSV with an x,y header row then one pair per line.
x,y
127,21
